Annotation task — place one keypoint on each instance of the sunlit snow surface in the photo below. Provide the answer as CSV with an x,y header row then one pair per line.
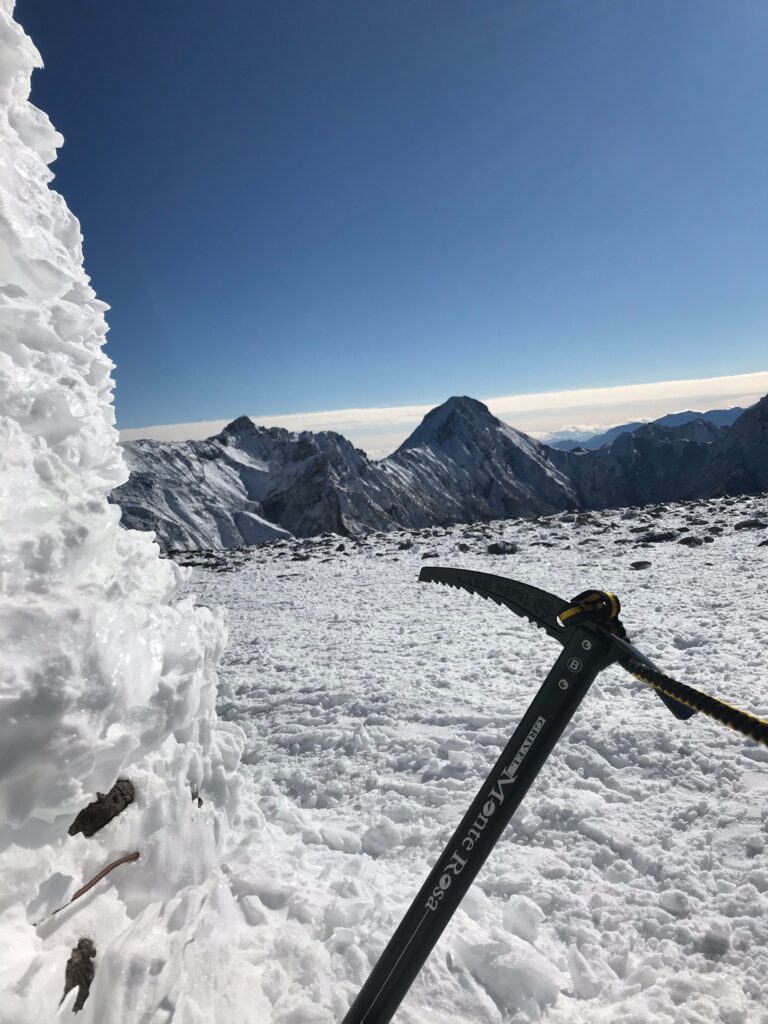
x,y
632,885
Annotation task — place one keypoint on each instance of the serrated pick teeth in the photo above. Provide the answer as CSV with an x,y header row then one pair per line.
x,y
486,597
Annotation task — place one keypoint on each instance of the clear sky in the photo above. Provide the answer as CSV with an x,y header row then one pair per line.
x,y
305,205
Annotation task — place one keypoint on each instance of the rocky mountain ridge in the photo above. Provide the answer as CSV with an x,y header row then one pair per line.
x,y
251,484
716,417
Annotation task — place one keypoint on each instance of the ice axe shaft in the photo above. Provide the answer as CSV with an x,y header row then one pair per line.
x,y
585,652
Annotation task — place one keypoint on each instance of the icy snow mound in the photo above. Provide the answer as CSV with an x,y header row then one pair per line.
x,y
106,673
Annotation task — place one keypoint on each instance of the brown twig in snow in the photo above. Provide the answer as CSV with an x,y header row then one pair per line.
x,y
126,859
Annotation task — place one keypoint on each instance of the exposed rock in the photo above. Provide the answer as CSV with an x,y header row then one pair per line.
x,y
502,547
738,462
104,808
659,536
691,542
750,524
79,973
640,565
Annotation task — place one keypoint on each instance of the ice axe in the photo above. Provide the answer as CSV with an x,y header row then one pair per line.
x,y
593,638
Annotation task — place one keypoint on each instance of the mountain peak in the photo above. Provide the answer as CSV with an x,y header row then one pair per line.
x,y
468,405
241,425
456,415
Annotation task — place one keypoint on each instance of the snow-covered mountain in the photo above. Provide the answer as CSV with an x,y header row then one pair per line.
x,y
716,417
463,464
647,465
250,484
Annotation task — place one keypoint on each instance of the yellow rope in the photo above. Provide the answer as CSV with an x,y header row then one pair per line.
x,y
743,722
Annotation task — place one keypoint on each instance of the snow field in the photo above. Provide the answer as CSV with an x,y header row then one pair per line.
x,y
632,884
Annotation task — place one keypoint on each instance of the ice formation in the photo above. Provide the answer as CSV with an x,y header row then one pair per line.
x,y
106,672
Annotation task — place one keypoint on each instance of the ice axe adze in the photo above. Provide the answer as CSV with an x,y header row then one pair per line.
x,y
593,638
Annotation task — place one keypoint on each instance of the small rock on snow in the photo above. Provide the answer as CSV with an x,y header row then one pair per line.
x,y
104,808
502,547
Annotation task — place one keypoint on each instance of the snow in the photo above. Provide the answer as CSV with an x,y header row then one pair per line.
x,y
106,673
631,884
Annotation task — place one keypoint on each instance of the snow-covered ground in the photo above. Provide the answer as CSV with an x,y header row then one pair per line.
x,y
631,887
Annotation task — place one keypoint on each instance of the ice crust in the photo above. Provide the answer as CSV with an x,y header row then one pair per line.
x,y
106,671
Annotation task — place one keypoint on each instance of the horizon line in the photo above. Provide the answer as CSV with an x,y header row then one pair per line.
x,y
541,413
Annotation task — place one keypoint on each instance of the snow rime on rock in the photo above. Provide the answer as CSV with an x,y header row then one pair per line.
x,y
106,674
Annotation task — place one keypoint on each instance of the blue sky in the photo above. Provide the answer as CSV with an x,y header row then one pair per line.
x,y
311,205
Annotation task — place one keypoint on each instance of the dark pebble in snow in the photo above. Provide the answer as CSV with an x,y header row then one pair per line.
x,y
79,973
502,547
640,565
750,524
104,808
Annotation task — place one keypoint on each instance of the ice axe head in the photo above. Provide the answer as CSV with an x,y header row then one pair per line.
x,y
598,609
